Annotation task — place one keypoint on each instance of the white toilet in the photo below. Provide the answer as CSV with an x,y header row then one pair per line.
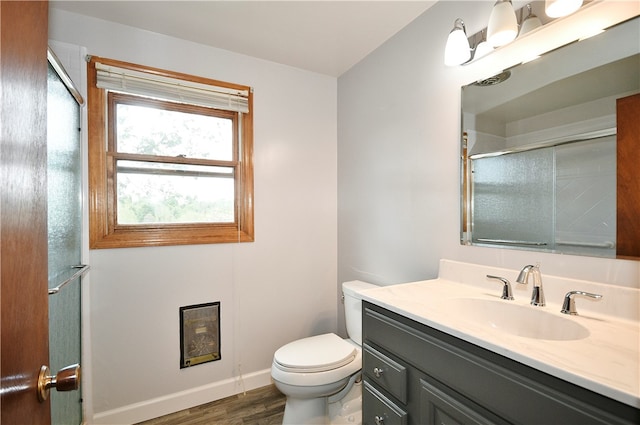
x,y
320,375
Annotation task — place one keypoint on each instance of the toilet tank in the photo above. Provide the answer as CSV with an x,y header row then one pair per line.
x,y
353,307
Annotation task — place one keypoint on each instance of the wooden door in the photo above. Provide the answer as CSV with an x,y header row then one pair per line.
x,y
23,209
628,177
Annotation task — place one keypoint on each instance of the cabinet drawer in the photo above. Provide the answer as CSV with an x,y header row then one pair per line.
x,y
379,410
385,372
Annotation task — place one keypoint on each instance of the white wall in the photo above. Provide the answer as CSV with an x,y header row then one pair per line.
x,y
396,142
398,162
277,289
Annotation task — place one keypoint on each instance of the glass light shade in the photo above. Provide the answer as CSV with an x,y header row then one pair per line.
x,y
457,51
503,25
482,49
529,24
558,8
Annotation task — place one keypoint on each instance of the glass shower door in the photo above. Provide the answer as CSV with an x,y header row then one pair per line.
x,y
513,199
64,180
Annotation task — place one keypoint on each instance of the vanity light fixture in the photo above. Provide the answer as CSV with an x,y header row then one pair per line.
x,y
503,24
483,48
530,22
558,8
457,51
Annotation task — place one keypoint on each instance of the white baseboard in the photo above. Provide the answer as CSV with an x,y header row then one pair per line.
x,y
175,402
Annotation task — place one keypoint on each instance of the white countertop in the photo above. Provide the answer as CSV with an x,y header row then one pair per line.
x,y
607,361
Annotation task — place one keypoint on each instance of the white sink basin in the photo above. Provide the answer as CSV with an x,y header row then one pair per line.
x,y
525,321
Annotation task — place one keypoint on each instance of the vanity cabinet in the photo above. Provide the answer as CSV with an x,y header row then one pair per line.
x,y
415,374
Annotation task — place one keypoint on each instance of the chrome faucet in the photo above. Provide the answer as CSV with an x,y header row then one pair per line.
x,y
569,304
537,295
507,294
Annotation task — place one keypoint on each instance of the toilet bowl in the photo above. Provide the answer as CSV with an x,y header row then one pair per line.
x,y
320,375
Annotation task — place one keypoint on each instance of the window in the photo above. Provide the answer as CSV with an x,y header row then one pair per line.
x,y
170,158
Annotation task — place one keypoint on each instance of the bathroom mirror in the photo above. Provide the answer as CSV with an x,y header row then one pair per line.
x,y
539,150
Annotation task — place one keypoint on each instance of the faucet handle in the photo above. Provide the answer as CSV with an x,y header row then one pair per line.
x,y
569,304
506,288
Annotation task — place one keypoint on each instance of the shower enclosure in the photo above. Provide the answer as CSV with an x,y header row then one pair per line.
x,y
64,219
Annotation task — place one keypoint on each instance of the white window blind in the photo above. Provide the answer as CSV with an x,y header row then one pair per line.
x,y
172,89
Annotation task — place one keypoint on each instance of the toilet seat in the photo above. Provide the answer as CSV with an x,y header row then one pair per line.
x,y
315,354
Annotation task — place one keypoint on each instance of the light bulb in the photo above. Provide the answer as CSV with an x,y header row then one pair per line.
x,y
503,25
482,49
530,23
558,8
457,51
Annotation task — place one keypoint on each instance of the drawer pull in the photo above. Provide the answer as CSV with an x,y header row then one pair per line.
x,y
377,372
379,419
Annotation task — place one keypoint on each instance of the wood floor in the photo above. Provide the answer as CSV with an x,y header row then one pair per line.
x,y
262,406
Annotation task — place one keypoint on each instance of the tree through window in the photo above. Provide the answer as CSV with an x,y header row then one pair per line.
x,y
173,172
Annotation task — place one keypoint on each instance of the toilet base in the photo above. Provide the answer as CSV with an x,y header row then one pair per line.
x,y
310,411
342,408
348,409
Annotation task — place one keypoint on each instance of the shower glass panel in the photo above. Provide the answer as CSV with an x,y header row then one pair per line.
x,y
513,199
586,197
64,178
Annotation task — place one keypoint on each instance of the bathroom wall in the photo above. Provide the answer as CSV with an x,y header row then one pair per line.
x,y
398,162
280,288
384,139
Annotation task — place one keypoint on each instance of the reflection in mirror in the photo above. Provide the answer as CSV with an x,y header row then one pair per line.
x,y
539,161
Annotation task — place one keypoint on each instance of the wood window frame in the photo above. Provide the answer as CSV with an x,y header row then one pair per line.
x,y
103,229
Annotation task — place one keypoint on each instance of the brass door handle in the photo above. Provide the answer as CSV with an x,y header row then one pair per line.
x,y
67,379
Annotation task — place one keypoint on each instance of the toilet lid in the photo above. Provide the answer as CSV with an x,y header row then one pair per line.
x,y
315,354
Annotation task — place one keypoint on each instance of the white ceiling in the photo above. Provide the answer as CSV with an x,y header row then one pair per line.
x,y
327,37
